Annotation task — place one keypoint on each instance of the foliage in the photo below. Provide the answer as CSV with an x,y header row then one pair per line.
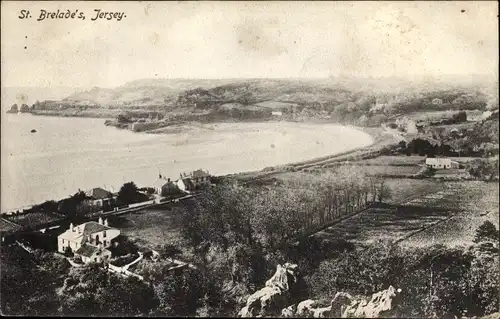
x,y
486,231
121,261
28,289
73,205
169,251
483,169
129,194
123,246
68,252
179,293
436,282
92,290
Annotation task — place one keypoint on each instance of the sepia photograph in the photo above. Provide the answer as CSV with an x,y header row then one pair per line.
x,y
284,159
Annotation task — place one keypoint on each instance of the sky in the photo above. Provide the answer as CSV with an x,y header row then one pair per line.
x,y
245,40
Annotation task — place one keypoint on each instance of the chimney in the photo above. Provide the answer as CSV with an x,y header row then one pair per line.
x,y
106,222
71,227
159,176
100,220
168,180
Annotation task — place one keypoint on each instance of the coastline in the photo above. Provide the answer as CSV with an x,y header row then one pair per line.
x,y
201,130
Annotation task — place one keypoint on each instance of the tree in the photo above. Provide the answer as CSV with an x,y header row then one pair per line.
x,y
128,194
70,206
68,252
384,192
486,232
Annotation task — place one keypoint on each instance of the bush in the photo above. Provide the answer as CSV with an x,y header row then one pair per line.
x,y
124,246
486,232
68,252
124,260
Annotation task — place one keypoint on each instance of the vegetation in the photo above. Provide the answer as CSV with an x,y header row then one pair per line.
x,y
484,169
487,232
129,194
437,282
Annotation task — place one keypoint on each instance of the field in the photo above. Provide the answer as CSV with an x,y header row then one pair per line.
x,y
6,226
33,219
410,209
390,171
477,202
151,227
421,213
394,161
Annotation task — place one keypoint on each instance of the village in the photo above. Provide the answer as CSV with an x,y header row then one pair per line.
x,y
90,237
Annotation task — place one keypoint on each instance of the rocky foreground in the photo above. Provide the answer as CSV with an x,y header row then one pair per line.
x,y
275,299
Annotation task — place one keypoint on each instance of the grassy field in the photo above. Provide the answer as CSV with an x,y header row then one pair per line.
x,y
394,161
151,227
415,205
477,203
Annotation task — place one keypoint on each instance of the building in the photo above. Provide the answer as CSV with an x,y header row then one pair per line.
x,y
164,187
185,184
276,113
88,240
98,197
441,163
194,180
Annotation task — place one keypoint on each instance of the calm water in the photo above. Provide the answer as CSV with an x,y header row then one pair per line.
x,y
71,153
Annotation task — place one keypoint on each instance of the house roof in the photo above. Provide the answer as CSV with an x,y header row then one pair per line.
x,y
98,193
93,227
72,236
199,173
438,160
87,250
87,228
159,183
170,185
188,182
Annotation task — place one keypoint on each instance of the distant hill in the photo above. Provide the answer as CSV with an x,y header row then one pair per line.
x,y
358,101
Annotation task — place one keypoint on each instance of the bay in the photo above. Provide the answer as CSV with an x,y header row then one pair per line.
x,y
67,154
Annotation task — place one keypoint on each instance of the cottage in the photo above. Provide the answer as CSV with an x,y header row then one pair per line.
x,y
164,187
441,163
98,197
88,240
194,180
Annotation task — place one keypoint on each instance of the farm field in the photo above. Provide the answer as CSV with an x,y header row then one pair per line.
x,y
402,160
429,203
478,202
384,170
151,227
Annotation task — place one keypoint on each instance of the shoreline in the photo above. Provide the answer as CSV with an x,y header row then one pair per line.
x,y
368,131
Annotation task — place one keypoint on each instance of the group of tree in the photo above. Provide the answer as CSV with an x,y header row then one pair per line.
x,y
436,282
129,194
484,169
238,234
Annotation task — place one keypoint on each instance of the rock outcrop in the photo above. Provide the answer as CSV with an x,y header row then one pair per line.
x,y
380,304
276,299
344,305
269,300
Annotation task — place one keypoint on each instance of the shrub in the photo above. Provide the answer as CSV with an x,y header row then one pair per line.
x,y
486,232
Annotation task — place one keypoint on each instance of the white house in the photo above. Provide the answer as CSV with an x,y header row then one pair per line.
x,y
441,163
189,182
88,240
277,113
164,186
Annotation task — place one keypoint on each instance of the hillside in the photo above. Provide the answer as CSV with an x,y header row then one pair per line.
x,y
362,102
